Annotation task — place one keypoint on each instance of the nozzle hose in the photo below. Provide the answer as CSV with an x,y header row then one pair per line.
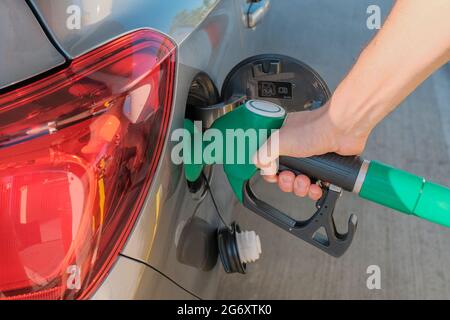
x,y
407,193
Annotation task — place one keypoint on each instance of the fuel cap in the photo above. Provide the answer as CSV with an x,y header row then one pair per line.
x,y
265,108
238,248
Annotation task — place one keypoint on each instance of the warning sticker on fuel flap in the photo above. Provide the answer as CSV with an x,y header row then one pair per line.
x,y
277,90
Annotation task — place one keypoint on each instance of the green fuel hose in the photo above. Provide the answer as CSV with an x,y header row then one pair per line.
x,y
407,193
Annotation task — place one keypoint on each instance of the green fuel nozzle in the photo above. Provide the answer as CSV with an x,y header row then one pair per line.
x,y
372,180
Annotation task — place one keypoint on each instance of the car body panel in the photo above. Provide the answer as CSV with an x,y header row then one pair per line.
x,y
102,20
214,48
25,50
139,282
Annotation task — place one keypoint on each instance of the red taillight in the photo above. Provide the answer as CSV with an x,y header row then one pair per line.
x,y
77,154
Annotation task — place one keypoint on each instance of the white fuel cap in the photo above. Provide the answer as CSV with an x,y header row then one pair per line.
x,y
265,108
249,246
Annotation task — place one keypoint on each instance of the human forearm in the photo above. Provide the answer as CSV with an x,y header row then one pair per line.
x,y
412,44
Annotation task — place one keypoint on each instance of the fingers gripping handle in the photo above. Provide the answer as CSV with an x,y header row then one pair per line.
x,y
342,171
379,183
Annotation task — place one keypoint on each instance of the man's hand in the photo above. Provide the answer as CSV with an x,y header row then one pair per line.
x,y
306,134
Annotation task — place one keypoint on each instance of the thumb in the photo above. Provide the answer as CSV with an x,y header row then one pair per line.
x,y
266,158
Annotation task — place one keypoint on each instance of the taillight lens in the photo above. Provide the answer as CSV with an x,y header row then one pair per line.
x,y
78,151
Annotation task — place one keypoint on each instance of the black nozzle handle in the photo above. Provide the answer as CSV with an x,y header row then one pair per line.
x,y
341,171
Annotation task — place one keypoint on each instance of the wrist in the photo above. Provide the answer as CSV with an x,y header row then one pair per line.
x,y
350,124
352,116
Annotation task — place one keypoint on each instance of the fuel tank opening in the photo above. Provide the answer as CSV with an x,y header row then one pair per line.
x,y
202,94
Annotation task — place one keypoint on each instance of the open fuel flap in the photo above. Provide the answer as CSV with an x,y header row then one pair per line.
x,y
272,77
279,79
